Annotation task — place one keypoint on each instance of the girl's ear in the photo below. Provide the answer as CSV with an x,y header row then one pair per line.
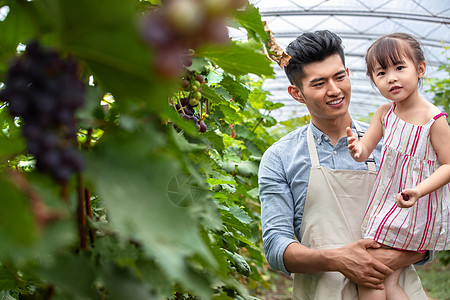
x,y
421,69
296,93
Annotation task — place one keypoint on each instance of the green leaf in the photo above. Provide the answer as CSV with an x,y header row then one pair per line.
x,y
132,173
73,274
239,214
212,95
7,280
254,193
231,115
250,19
238,60
121,284
114,51
236,89
16,28
216,140
17,224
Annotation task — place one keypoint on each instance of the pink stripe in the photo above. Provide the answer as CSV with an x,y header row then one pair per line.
x,y
392,220
392,132
416,140
383,221
410,235
427,224
398,231
380,205
388,114
427,149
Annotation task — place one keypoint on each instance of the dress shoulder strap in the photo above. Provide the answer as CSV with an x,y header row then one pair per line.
x,y
440,115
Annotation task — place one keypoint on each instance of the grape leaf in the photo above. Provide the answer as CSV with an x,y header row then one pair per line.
x,y
239,92
238,60
250,19
134,190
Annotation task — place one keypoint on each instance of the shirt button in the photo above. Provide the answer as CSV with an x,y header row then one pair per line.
x,y
318,140
326,138
335,152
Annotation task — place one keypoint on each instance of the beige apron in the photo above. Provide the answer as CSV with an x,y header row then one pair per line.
x,y
334,207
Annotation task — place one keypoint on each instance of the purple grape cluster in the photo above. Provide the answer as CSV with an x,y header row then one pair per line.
x,y
45,90
187,112
192,90
179,26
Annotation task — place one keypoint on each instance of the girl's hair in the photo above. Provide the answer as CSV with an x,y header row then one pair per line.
x,y
388,50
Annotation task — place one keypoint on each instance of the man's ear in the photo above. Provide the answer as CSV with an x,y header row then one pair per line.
x,y
296,93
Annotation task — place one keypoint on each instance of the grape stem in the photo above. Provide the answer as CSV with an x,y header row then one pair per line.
x,y
81,213
259,122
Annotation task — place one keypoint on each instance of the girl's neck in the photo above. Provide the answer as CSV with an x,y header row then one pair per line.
x,y
413,110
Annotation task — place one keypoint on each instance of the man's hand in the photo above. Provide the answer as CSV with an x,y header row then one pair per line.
x,y
354,261
396,259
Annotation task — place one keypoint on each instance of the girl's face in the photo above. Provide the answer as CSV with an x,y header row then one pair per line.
x,y
398,82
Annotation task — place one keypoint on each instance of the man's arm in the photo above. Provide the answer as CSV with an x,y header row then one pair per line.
x,y
352,260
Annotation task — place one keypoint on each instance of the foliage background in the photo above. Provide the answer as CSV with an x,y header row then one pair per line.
x,y
174,213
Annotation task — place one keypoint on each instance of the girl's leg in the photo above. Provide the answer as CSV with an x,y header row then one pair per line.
x,y
371,294
393,289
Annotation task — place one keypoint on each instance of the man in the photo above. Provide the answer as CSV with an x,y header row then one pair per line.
x,y
313,194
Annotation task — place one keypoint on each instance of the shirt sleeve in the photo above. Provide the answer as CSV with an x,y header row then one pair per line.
x,y
277,209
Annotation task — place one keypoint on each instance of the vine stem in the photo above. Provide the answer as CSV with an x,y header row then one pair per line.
x,y
81,213
87,199
259,122
87,192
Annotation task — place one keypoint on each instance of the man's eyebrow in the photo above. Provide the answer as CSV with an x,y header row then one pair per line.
x,y
323,78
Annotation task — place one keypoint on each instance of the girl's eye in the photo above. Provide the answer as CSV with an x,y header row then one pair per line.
x,y
400,68
380,73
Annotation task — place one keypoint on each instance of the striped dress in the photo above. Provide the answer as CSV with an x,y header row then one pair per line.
x,y
407,159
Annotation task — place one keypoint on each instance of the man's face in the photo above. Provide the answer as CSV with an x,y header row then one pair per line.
x,y
325,89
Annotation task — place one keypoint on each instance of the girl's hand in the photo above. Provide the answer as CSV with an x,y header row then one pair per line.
x,y
354,146
407,198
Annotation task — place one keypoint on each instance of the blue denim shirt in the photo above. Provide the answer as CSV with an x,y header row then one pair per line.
x,y
283,182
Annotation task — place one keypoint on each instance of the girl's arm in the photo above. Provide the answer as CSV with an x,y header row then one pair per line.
x,y
360,150
440,139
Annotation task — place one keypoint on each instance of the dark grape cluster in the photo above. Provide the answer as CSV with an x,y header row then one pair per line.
x,y
192,97
179,26
45,90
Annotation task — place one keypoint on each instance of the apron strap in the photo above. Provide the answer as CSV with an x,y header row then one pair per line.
x,y
312,148
370,162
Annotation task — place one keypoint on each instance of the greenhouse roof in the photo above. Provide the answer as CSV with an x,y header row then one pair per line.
x,y
358,23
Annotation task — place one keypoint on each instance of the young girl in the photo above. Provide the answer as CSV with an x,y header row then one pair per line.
x,y
409,208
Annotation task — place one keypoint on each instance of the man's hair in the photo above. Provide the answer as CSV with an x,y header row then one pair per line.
x,y
308,48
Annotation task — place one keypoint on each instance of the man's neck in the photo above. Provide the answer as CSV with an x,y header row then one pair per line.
x,y
333,128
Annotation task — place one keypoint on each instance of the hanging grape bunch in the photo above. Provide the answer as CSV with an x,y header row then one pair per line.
x,y
190,98
45,91
178,27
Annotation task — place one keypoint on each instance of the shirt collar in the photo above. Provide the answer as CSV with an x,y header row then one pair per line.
x,y
319,135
